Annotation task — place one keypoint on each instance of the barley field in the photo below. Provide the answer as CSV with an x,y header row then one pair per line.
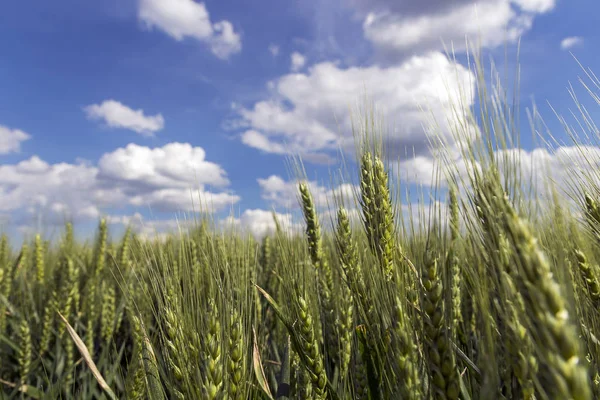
x,y
490,290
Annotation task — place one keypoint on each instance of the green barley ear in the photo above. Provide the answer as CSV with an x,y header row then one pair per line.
x,y
48,323
174,344
441,361
407,354
109,298
135,385
589,273
592,213
453,265
213,382
348,253
39,259
350,264
454,214
313,229
124,251
69,240
100,256
377,211
566,377
518,343
3,253
310,347
24,351
69,302
386,230
8,280
325,286
154,386
236,362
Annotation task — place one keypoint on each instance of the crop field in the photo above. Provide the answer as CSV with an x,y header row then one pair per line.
x,y
491,290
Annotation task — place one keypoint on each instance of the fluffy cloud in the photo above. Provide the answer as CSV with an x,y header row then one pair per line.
x,y
150,229
298,61
175,165
308,114
404,27
171,178
261,222
186,18
185,200
117,115
570,42
562,167
11,139
282,193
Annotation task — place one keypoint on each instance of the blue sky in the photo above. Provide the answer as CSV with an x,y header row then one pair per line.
x,y
119,108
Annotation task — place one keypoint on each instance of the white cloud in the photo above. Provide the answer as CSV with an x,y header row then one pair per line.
x,y
274,50
309,114
149,228
298,61
403,28
282,193
260,222
175,165
259,141
186,18
11,139
184,200
536,6
118,115
570,42
170,178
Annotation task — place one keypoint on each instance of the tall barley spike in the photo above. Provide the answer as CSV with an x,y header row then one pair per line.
x,y
108,311
236,362
377,212
441,361
453,266
154,386
39,259
590,277
24,351
551,325
213,382
385,230
3,253
407,354
519,344
8,280
100,257
348,253
325,287
48,323
310,346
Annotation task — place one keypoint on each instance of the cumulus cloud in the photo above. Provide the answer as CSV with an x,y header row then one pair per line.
x,y
175,177
175,165
118,115
404,27
308,114
11,139
570,42
297,61
261,222
150,228
182,19
282,193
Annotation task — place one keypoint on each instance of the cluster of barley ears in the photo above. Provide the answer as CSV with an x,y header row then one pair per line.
x,y
495,295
